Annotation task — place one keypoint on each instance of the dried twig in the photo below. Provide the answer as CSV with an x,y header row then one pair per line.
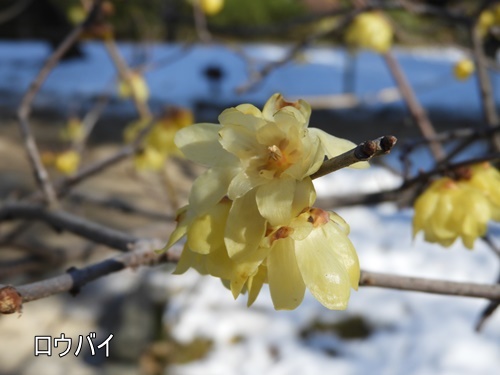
x,y
24,110
11,298
363,152
418,284
485,89
417,111
64,221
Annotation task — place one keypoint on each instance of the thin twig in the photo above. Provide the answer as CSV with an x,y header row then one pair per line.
x,y
417,111
24,110
363,152
485,89
125,73
200,23
64,221
143,254
419,284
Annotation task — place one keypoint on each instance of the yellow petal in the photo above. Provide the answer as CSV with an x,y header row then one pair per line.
x,y
181,228
241,273
245,227
242,183
275,199
334,146
254,284
323,274
206,232
240,141
285,280
209,188
189,259
305,196
245,118
344,250
218,264
200,143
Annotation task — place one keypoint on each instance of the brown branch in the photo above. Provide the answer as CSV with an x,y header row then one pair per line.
x,y
41,175
61,220
124,73
485,89
11,298
419,284
417,111
363,152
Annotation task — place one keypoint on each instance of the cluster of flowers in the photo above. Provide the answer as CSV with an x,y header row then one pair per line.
x,y
250,218
159,143
451,208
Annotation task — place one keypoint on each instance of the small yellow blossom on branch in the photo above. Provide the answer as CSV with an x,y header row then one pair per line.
x,y
159,143
463,69
459,208
370,30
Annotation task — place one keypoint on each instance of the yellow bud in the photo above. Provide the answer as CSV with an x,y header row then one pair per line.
x,y
67,162
370,30
149,159
463,69
211,7
486,21
73,131
133,86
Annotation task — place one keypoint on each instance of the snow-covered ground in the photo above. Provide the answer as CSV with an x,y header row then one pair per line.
x,y
412,333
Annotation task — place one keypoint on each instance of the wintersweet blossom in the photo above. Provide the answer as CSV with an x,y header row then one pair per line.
x,y
269,150
249,219
159,143
370,30
463,69
313,251
486,179
449,209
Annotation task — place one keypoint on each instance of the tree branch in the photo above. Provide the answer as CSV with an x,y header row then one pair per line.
x,y
61,220
363,152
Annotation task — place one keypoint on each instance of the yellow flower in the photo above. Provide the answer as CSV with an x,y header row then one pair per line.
x,y
133,86
463,69
246,222
67,162
313,251
211,7
73,131
269,151
163,133
449,209
149,159
486,178
486,21
159,143
370,30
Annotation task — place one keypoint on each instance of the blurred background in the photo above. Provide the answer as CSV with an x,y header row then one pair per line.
x,y
184,61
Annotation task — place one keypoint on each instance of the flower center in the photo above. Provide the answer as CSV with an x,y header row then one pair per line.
x,y
275,153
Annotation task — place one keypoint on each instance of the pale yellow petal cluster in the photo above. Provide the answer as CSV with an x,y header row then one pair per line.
x,y
450,209
249,220
463,69
370,30
133,86
488,19
159,143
